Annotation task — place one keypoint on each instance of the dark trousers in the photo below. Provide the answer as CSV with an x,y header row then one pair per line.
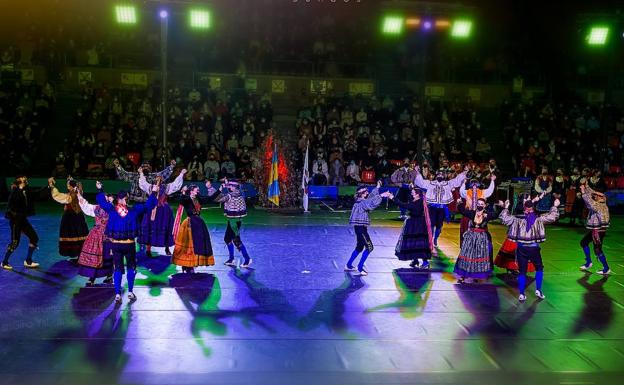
x,y
21,226
589,238
525,254
363,239
123,251
232,233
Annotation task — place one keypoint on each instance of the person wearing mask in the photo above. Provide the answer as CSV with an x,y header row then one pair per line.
x,y
228,167
336,172
353,173
528,232
439,194
121,229
320,172
20,206
211,168
195,169
543,185
598,221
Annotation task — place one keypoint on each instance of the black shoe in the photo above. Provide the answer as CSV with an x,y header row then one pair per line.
x,y
167,251
148,254
108,281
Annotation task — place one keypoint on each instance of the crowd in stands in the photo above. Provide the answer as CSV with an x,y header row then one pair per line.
x,y
351,137
563,139
211,134
25,114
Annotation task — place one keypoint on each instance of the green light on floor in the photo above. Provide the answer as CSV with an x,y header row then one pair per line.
x,y
393,25
126,14
199,19
461,29
598,35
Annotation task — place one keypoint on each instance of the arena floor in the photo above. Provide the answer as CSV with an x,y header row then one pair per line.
x,y
296,317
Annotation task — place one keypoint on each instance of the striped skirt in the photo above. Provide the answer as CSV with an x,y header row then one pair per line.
x,y
474,257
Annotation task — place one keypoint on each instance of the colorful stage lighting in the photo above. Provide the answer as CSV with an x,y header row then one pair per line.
x,y
199,19
163,14
461,29
393,25
598,35
126,14
412,22
427,24
442,23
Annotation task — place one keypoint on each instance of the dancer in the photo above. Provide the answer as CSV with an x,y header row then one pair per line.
x,y
403,177
528,233
415,242
235,210
474,260
192,244
574,199
365,202
597,224
472,192
136,194
73,231
506,257
20,206
121,229
439,195
95,259
157,228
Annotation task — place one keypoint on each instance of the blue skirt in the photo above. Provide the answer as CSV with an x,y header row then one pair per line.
x,y
474,258
157,232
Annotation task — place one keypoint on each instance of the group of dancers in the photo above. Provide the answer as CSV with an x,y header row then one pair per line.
x,y
108,249
426,207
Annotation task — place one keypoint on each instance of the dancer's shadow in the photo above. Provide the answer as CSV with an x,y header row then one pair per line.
x,y
200,293
101,337
597,312
329,308
413,286
269,301
154,272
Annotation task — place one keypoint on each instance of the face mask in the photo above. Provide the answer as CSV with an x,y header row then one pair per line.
x,y
439,178
480,208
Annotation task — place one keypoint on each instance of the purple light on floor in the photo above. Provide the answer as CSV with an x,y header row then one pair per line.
x,y
163,14
427,24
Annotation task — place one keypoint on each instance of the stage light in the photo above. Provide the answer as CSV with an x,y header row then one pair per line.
x,y
412,22
199,19
598,35
163,14
442,23
126,14
461,29
427,24
393,25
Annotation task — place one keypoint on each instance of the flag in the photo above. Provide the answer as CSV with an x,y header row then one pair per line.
x,y
305,176
273,194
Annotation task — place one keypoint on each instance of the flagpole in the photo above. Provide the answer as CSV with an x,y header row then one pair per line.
x,y
304,179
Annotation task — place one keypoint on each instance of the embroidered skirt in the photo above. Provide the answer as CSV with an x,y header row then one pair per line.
x,y
474,257
192,246
96,259
73,232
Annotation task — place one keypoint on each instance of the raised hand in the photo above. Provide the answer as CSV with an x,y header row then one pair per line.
x,y
155,187
98,185
493,177
556,203
183,171
173,162
51,182
116,162
208,183
507,203
379,183
183,190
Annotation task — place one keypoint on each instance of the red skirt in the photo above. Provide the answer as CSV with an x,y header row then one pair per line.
x,y
506,257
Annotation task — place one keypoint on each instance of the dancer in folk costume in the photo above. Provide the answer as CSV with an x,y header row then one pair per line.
x,y
439,194
528,233
157,227
598,221
73,230
121,229
95,259
415,242
543,186
136,194
471,192
365,202
404,177
193,247
20,206
506,257
475,257
234,208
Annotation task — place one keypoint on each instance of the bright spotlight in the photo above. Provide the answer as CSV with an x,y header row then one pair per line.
x,y
461,29
598,35
126,14
393,25
199,19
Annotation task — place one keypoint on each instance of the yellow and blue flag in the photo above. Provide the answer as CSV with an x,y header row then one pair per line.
x,y
274,190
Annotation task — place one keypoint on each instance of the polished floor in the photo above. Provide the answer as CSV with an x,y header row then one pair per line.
x,y
297,318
